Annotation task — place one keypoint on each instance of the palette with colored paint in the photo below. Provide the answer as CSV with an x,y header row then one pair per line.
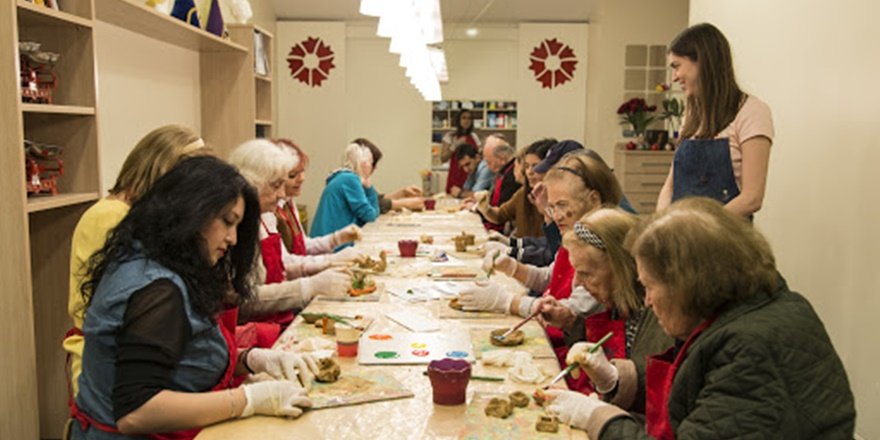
x,y
412,348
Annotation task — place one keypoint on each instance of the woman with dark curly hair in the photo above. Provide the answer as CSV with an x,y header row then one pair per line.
x,y
162,299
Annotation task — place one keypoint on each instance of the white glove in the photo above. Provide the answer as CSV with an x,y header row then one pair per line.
x,y
553,312
490,298
275,398
497,236
573,408
503,263
490,247
283,365
538,197
347,234
602,373
331,282
345,255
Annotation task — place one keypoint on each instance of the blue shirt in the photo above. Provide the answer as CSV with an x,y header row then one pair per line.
x,y
343,202
481,179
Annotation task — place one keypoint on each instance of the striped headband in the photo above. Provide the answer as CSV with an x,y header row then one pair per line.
x,y
588,236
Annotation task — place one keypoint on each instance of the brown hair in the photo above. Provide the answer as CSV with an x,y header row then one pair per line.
x,y
707,256
718,96
153,156
593,173
611,225
303,157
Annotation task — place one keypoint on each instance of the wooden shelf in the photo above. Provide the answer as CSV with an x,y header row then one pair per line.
x,y
495,129
44,203
263,78
58,109
503,110
139,18
34,15
263,122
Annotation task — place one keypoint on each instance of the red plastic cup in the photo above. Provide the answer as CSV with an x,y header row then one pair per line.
x,y
430,204
347,341
407,248
449,380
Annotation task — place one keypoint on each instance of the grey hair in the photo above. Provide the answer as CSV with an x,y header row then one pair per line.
x,y
356,154
504,151
261,161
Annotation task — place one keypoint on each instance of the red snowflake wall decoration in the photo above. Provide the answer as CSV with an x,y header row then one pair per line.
x,y
310,61
553,63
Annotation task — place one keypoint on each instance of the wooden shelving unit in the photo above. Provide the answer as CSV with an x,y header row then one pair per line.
x,y
35,232
37,259
488,116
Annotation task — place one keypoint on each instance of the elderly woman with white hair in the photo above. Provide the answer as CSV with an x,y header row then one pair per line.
x,y
265,165
349,197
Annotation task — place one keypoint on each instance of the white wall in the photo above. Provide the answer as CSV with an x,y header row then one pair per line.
x,y
815,63
142,84
613,25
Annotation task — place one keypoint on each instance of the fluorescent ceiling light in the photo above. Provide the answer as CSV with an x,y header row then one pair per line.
x,y
472,32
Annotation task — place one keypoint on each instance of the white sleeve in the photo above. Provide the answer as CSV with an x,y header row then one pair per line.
x,y
298,266
538,278
275,297
320,245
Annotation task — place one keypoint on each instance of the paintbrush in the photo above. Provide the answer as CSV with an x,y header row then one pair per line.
x,y
571,367
491,270
516,327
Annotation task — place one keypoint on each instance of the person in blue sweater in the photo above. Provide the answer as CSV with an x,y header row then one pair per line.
x,y
349,197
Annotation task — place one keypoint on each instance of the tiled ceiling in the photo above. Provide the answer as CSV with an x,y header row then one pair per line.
x,y
454,11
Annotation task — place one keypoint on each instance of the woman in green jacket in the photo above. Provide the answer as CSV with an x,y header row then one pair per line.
x,y
752,358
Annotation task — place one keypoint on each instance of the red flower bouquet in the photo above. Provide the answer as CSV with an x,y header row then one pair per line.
x,y
637,113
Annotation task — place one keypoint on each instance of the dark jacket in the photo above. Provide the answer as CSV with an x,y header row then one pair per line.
x,y
764,369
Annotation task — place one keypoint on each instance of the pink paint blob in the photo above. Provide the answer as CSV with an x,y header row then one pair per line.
x,y
380,337
421,353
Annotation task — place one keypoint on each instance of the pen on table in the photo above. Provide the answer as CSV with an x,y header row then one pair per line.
x,y
571,367
483,378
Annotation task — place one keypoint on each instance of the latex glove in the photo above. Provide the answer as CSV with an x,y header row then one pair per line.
x,y
503,263
553,312
491,247
283,365
346,255
602,373
573,408
275,398
347,234
332,282
491,298
499,237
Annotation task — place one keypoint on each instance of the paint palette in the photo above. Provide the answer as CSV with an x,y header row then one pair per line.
x,y
520,424
412,348
356,387
535,341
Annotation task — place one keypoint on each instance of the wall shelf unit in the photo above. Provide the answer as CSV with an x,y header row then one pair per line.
x,y
35,232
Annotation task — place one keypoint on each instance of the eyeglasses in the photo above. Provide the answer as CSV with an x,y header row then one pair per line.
x,y
563,208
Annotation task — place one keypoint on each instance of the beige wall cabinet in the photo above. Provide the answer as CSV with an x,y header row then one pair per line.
x,y
641,174
35,231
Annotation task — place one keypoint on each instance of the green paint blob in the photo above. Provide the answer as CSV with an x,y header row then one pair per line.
x,y
387,355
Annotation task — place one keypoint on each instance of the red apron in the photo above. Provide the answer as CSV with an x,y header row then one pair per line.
x,y
226,322
264,332
288,217
457,175
496,200
659,373
559,288
596,326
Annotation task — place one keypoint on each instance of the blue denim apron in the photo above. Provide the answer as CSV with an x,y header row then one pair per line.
x,y
702,167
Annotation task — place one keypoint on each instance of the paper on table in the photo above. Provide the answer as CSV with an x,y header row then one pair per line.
x,y
415,321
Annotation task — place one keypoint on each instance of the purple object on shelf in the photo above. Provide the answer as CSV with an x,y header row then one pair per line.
x,y
449,380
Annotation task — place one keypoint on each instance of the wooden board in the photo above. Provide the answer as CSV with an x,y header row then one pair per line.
x,y
520,424
354,388
535,342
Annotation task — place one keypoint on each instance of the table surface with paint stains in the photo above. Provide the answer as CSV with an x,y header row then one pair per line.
x,y
410,418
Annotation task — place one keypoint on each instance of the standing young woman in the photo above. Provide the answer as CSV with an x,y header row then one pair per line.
x,y
153,156
163,295
726,135
464,132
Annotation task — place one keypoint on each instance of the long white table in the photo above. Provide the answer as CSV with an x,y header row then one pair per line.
x,y
408,418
